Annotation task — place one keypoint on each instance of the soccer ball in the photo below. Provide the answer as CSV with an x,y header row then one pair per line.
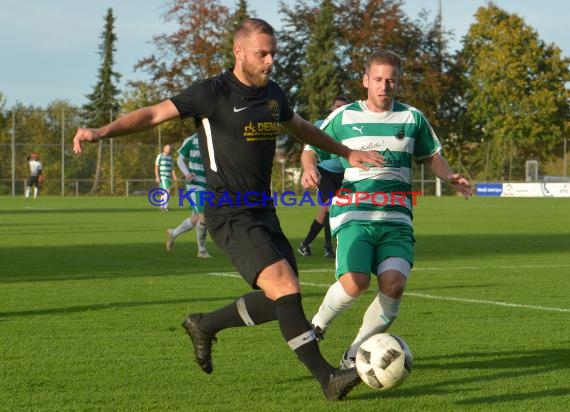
x,y
384,361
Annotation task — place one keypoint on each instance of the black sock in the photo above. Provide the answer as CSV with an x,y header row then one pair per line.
x,y
313,232
295,329
248,310
327,226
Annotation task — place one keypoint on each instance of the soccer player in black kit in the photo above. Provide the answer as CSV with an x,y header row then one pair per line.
x,y
238,113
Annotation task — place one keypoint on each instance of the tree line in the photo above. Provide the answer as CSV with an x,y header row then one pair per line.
x,y
500,100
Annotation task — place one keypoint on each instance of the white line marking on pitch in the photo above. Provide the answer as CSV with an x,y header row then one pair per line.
x,y
422,295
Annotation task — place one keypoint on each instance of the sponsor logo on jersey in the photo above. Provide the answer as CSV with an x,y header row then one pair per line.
x,y
390,159
399,133
273,107
261,131
358,129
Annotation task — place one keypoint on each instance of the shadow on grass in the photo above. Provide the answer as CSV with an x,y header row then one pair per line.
x,y
115,305
504,365
69,262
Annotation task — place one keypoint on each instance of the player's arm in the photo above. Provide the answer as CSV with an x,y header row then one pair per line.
x,y
181,163
439,167
309,133
132,122
311,176
156,177
40,177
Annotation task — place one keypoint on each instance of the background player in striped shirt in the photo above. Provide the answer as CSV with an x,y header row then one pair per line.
x,y
190,163
164,174
374,226
331,171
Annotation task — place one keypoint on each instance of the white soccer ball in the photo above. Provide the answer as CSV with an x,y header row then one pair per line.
x,y
384,361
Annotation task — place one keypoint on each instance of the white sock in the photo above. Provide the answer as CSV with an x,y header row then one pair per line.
x,y
336,301
185,226
377,319
201,233
27,192
35,192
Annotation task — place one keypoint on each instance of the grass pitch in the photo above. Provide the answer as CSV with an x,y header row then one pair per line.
x,y
91,306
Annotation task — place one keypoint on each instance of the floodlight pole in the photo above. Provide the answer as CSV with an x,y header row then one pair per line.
x,y
62,152
13,152
565,162
112,176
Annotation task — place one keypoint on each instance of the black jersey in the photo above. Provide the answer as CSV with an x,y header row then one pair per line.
x,y
238,127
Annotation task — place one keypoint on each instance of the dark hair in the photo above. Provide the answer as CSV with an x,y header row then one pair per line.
x,y
385,57
253,25
340,97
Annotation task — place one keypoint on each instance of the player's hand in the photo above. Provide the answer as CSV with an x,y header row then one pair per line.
x,y
84,135
40,179
311,178
461,184
190,177
365,159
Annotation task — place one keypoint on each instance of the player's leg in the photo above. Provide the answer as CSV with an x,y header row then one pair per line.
x,y
201,230
383,310
305,246
355,259
201,233
264,257
394,254
165,184
329,252
280,283
29,185
249,251
330,183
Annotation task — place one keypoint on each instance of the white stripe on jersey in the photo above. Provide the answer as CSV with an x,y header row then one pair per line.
x,y
210,144
380,143
402,174
368,216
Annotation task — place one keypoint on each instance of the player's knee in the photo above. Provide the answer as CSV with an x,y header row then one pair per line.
x,y
278,280
394,290
355,284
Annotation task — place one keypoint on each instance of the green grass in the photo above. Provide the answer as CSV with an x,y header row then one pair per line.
x,y
91,306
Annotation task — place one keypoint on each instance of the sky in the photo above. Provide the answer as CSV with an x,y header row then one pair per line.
x,y
49,48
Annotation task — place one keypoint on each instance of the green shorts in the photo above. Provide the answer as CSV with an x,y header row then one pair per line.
x,y
197,204
361,248
165,183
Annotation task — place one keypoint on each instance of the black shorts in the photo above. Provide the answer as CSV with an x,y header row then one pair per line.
x,y
34,181
252,239
329,184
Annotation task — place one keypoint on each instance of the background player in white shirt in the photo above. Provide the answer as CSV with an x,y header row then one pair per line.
x,y
35,179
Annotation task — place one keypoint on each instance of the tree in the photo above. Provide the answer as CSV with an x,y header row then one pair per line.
x,y
103,103
516,96
320,82
292,45
194,51
233,23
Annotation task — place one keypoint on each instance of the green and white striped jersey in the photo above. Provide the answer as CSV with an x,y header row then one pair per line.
x,y
399,135
190,150
164,164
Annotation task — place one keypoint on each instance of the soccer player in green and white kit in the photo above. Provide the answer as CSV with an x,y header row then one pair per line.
x,y
190,163
164,174
374,232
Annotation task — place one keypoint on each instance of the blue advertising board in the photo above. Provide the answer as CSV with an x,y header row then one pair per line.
x,y
489,189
